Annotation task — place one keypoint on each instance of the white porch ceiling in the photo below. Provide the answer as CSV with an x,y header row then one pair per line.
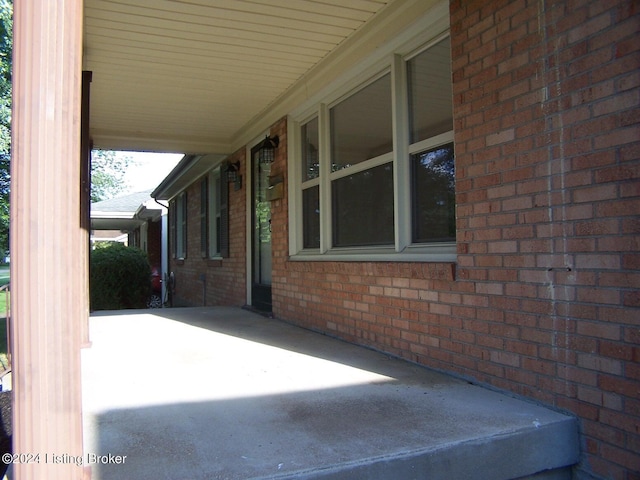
x,y
189,75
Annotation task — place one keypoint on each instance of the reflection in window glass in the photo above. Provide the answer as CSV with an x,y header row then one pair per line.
x,y
430,92
361,125
311,217
363,208
434,195
309,150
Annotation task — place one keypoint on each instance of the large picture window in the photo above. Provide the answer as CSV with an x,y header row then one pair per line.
x,y
311,217
432,163
361,125
310,167
361,137
363,208
309,150
433,195
376,165
430,92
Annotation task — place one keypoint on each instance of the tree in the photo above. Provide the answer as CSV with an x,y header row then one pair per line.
x,y
6,48
107,174
107,169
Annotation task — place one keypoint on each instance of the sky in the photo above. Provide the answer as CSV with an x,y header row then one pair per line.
x,y
147,170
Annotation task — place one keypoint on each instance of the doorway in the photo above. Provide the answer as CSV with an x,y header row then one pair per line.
x,y
261,234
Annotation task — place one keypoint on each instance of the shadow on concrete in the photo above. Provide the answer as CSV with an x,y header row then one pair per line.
x,y
227,394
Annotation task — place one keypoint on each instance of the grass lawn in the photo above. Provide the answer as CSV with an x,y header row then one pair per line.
x,y
4,362
4,279
4,274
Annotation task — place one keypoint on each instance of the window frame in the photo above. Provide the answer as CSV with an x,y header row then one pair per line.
x,y
179,226
213,214
306,183
393,62
427,145
360,167
204,217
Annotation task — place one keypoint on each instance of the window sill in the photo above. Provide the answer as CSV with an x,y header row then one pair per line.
x,y
445,253
214,262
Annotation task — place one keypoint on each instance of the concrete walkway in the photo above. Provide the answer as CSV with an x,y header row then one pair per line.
x,y
222,393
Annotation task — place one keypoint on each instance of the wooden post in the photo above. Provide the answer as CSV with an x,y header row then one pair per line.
x,y
46,238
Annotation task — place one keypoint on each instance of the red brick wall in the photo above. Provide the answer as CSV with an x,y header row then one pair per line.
x,y
224,279
543,301
546,129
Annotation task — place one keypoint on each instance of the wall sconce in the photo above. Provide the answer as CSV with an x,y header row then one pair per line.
x,y
233,175
267,149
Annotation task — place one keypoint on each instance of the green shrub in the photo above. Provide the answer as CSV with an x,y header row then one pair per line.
x,y
120,278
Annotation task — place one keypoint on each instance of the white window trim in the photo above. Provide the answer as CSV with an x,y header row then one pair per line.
x,y
393,59
362,166
401,169
324,156
433,142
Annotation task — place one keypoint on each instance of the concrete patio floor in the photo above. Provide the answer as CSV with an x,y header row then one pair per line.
x,y
223,393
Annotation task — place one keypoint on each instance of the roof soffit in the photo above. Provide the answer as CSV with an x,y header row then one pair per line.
x,y
188,76
398,24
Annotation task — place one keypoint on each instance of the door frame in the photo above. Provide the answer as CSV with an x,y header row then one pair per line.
x,y
249,216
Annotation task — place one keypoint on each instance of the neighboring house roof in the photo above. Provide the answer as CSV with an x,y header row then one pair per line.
x,y
124,213
187,170
109,236
127,203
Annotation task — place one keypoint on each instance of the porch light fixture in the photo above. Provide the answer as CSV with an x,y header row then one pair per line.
x,y
267,149
233,175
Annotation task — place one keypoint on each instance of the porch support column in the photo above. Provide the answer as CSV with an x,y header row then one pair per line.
x,y
46,237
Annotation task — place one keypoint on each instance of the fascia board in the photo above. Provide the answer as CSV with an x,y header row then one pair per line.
x,y
187,171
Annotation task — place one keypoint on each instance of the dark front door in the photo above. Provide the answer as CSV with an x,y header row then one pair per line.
x,y
261,236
